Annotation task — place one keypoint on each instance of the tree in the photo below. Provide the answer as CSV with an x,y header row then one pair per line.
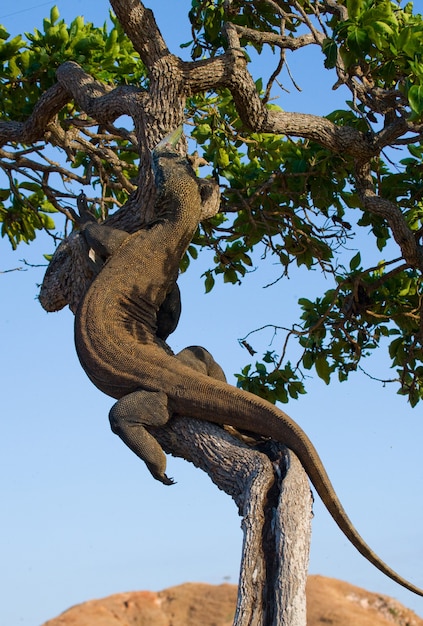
x,y
290,181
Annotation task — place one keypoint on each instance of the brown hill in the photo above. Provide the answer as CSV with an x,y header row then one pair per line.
x,y
330,601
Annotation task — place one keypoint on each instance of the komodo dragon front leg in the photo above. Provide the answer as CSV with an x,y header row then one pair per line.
x,y
103,241
131,415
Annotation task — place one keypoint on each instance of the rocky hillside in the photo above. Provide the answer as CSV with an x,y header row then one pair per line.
x,y
330,602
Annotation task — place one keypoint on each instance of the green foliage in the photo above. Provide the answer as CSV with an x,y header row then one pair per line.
x,y
277,385
28,66
379,38
273,185
287,199
27,69
349,322
385,42
208,17
26,213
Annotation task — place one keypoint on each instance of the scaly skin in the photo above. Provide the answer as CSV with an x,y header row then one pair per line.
x,y
117,344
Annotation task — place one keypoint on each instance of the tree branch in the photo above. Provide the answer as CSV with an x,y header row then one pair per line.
x,y
140,26
33,129
98,100
234,74
273,39
411,250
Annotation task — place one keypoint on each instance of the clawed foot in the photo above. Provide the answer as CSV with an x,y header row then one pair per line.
x,y
163,478
85,213
168,481
158,472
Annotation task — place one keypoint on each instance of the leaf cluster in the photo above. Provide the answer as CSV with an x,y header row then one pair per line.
x,y
28,212
380,42
28,65
105,159
208,18
365,310
271,381
287,197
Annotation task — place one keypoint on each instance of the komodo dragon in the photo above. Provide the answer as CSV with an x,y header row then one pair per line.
x,y
116,336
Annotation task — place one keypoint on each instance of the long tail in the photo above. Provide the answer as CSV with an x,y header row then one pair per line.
x,y
215,401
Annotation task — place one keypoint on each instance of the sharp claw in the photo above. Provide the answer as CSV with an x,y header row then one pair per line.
x,y
162,478
168,481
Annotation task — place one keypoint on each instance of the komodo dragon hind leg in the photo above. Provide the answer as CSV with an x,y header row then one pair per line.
x,y
128,418
200,360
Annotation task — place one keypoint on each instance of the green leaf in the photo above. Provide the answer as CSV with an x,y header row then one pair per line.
x,y
408,41
406,288
305,303
307,360
209,281
330,50
230,276
354,8
261,368
30,186
416,151
193,252
415,98
269,357
322,368
413,397
54,14
355,262
358,40
3,33
47,221
222,157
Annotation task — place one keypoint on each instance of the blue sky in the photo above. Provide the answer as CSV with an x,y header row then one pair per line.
x,y
82,518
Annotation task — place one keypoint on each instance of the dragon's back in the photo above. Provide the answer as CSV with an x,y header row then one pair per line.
x,y
117,315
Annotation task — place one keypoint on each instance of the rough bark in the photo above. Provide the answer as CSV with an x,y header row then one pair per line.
x,y
274,500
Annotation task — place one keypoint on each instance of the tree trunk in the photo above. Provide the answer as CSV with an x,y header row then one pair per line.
x,y
274,500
